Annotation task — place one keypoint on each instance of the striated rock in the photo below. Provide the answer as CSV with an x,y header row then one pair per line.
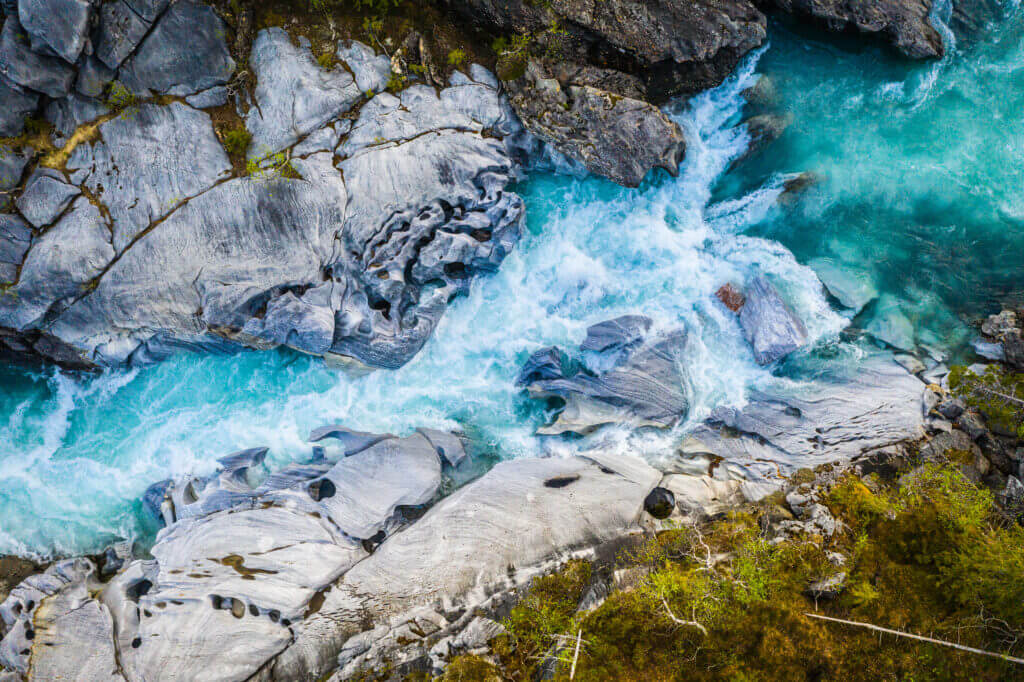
x,y
622,333
618,137
120,30
56,26
21,66
904,24
15,237
185,53
645,386
768,323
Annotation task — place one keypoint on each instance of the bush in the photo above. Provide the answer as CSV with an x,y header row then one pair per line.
x,y
236,141
997,393
119,97
326,60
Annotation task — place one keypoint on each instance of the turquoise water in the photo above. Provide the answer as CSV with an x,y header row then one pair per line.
x,y
919,172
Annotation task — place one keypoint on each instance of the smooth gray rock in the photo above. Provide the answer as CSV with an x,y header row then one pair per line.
x,y
371,70
850,285
618,334
12,167
890,325
20,65
768,324
214,97
15,237
47,193
294,95
185,53
58,25
352,441
151,159
16,105
448,446
614,136
59,267
93,76
646,388
119,32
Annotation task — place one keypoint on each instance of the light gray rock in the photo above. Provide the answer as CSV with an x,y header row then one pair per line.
x,y
371,70
768,324
207,99
185,53
294,95
46,195
20,65
120,31
15,237
851,286
352,441
890,325
15,105
60,26
59,267
646,387
150,160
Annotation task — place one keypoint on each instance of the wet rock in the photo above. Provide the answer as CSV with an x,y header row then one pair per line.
x,y
46,195
768,323
999,324
890,325
910,363
185,53
763,129
56,26
762,94
622,333
15,105
614,136
15,237
645,387
20,65
660,503
904,24
852,286
730,297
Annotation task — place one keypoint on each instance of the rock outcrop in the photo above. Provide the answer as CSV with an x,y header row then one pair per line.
x,y
347,242
634,380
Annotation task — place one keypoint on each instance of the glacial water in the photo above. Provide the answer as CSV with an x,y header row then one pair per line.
x,y
919,170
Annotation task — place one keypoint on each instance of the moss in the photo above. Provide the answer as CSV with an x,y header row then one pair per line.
x,y
457,57
119,97
997,393
470,669
236,142
326,60
852,501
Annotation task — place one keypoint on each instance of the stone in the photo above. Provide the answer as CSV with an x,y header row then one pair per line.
x,y
851,286
93,76
972,424
646,387
660,503
59,267
185,53
951,409
617,137
60,26
16,104
46,195
1013,349
148,162
730,297
15,238
622,333
703,496
149,10
997,325
294,95
69,113
12,167
768,324
208,99
909,363
21,66
827,589
370,70
763,129
890,325
352,441
119,33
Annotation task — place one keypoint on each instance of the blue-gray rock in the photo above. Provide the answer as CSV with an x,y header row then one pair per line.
x,y
119,32
207,99
47,193
647,388
93,76
58,25
852,286
15,237
12,167
351,441
59,267
68,113
371,70
149,10
19,64
768,323
185,53
16,105
294,95
890,325
618,334
151,159
547,363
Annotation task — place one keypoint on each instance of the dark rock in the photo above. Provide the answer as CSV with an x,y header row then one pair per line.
x,y
12,167
16,105
120,31
545,364
185,53
93,76
660,503
149,10
730,297
1013,349
15,237
904,24
20,65
613,335
59,26
68,113
763,130
610,80
617,137
971,17
768,323
997,325
951,409
972,424
762,94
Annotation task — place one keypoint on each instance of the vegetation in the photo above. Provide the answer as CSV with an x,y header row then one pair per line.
x,y
929,554
119,97
236,141
271,166
997,393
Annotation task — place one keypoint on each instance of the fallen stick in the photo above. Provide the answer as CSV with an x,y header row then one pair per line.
x,y
898,633
575,656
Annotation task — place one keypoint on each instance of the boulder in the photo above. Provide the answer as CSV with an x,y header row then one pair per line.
x,y
851,286
57,26
614,136
23,67
644,386
47,193
731,297
903,24
120,31
768,324
16,104
15,237
185,53
370,70
890,325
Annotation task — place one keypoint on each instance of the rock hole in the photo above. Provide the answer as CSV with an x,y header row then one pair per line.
x,y
216,601
456,270
383,307
560,481
138,589
137,642
30,604
792,411
322,489
285,622
253,610
274,615
481,235
30,634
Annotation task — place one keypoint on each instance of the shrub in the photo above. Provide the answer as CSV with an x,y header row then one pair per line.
x,y
996,393
326,60
236,141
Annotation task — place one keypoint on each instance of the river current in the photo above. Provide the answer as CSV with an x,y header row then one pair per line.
x,y
918,172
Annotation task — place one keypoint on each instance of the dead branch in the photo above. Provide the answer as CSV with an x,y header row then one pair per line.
x,y
679,621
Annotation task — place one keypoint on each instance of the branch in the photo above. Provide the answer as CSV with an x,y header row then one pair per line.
x,y
877,628
576,655
677,621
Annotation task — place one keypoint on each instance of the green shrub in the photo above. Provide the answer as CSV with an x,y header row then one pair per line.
x,y
236,141
457,57
996,393
326,60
